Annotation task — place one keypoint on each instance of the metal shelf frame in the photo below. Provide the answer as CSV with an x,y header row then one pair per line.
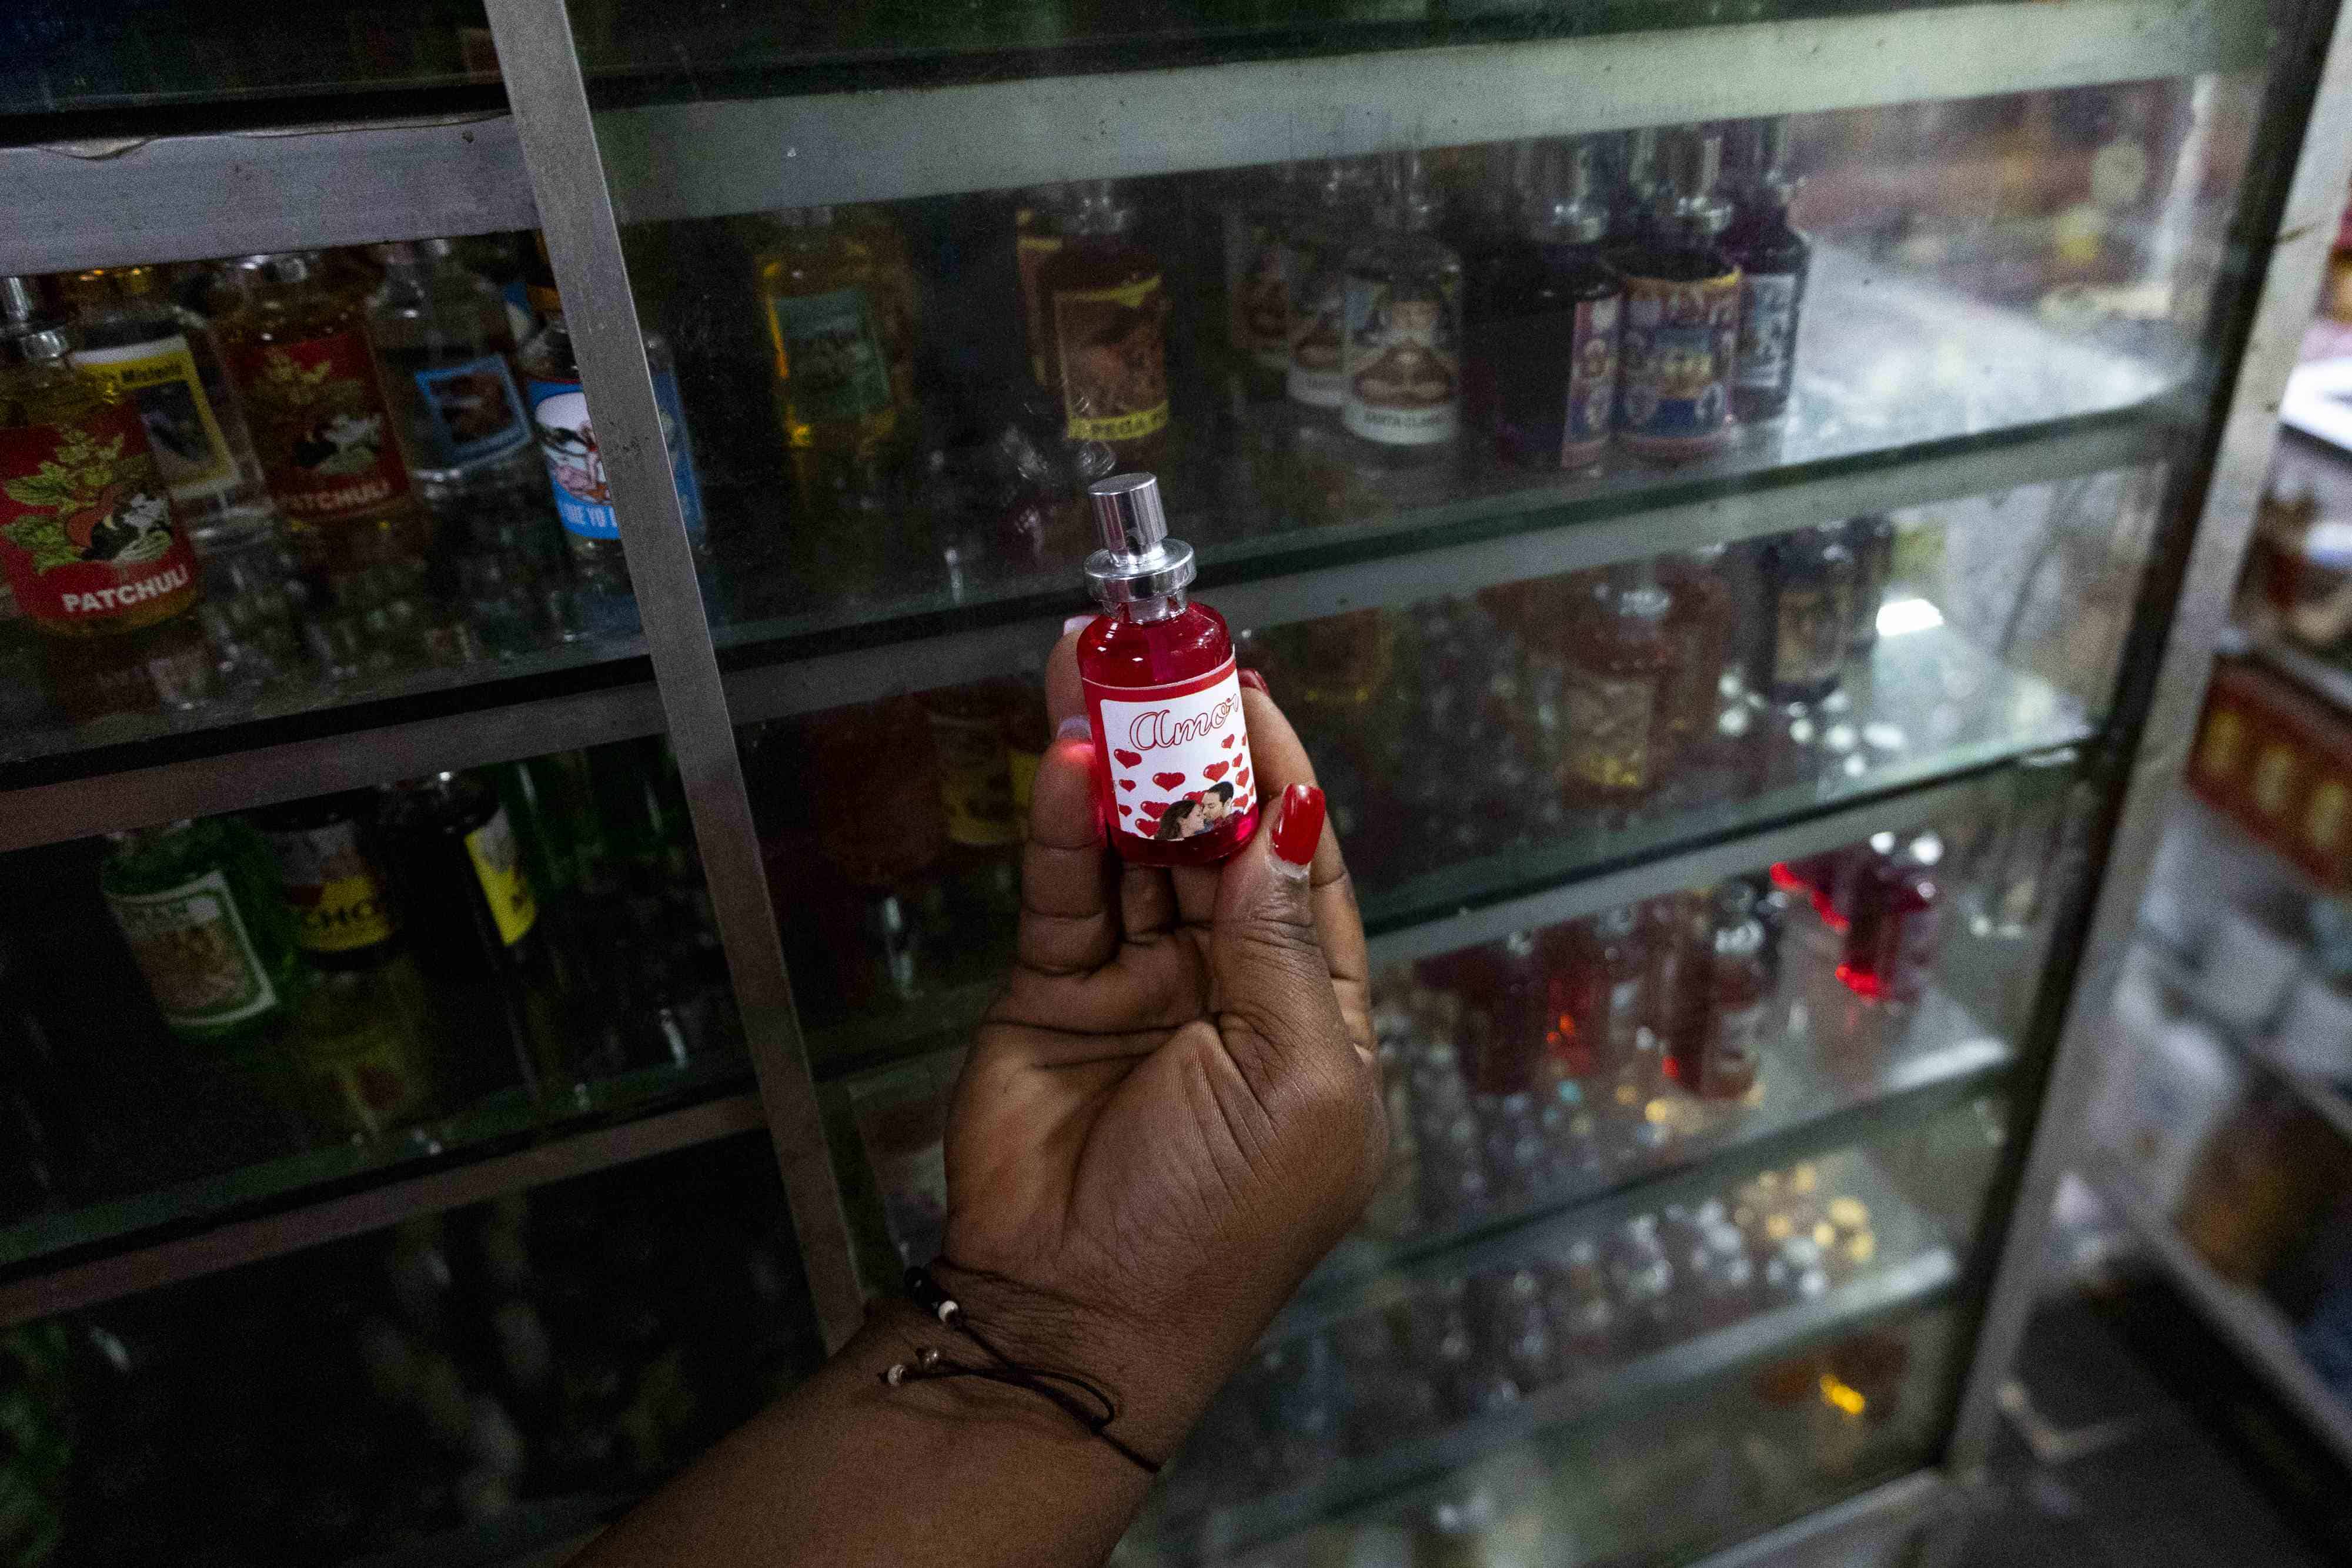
x,y
580,176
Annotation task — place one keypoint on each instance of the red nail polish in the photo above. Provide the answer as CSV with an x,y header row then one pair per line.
x,y
1172,767
1255,680
1299,825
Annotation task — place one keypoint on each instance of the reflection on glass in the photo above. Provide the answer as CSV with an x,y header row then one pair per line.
x,y
338,984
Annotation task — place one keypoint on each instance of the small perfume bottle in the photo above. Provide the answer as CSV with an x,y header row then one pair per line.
x,y
1328,220
1402,355
1106,327
1773,260
1620,668
1173,770
1682,316
1808,584
1718,1058
1544,327
1896,919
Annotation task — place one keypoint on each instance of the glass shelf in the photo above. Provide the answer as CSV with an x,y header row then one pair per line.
x,y
1894,373
1910,1261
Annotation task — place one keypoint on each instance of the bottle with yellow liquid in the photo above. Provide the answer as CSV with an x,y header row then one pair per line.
x,y
836,300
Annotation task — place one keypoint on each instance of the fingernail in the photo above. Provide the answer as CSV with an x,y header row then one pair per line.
x,y
1077,727
1077,623
1298,827
1255,679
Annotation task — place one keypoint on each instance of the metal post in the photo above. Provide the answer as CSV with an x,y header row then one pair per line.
x,y
2297,254
583,240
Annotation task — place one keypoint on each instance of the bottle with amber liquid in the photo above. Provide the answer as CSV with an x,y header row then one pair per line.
x,y
1619,667
1717,1058
1895,925
1808,614
92,555
1107,325
844,368
329,443
1705,620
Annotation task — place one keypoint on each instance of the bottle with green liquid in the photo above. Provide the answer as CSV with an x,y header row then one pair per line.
x,y
199,903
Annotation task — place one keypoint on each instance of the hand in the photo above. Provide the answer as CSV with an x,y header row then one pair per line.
x,y
1173,1111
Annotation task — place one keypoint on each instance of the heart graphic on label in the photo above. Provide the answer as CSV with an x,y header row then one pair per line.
x,y
1128,759
1214,771
1126,783
1243,776
1227,743
1126,810
1168,780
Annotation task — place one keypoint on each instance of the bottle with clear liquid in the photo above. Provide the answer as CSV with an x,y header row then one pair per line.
x,y
1402,349
448,350
1328,220
135,337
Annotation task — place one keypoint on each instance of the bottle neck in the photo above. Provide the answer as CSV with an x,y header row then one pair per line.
x,y
1158,606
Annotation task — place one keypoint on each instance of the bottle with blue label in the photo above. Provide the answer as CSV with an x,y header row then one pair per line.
x,y
575,468
1773,259
1681,327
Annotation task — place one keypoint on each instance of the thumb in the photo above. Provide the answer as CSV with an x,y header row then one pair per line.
x,y
1275,1005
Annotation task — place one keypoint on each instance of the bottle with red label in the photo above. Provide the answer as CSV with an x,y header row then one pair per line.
x,y
90,548
1172,767
296,347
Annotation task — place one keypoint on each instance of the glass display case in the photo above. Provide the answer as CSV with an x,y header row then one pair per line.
x,y
534,533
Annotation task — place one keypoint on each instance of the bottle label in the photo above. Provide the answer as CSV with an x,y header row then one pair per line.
x,y
1680,341
192,946
1403,364
575,469
975,780
320,428
1733,1049
832,362
1030,253
336,894
1177,755
1113,347
1254,294
497,865
1607,722
471,412
680,448
86,530
1809,636
1591,380
191,450
1317,281
1768,330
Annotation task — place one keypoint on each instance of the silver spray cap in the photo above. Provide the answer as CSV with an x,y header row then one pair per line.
x,y
1138,559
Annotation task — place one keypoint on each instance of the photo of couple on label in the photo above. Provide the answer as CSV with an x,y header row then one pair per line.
x,y
1196,813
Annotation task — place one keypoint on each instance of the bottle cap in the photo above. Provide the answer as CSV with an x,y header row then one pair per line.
x,y
1698,166
1098,208
411,252
284,265
1742,938
1573,212
27,331
1138,559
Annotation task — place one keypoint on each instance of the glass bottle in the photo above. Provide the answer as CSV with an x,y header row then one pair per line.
x,y
1773,259
1675,933
1256,306
135,336
328,871
1402,356
1871,537
1718,1058
1542,322
1808,585
199,906
1605,997
1323,228
1704,620
881,830
1682,315
1173,770
1641,189
1106,324
1896,924
844,374
92,556
1036,239
1620,664
447,349
296,343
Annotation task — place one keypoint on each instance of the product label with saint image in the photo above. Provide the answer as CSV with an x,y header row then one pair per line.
x,y
191,450
1809,636
1607,722
830,356
191,945
497,865
1678,346
1316,279
1591,382
1768,330
1112,343
1404,364
1177,756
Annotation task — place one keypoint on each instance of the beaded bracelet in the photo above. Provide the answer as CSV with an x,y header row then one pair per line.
x,y
1067,1390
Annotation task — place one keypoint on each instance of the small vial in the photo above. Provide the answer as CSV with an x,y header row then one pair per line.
x,y
1890,946
1173,770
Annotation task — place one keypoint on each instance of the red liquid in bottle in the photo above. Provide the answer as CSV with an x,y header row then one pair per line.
x,y
1890,949
1172,771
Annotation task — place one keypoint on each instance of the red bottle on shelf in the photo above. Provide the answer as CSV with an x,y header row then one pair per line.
x,y
1173,770
1896,916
